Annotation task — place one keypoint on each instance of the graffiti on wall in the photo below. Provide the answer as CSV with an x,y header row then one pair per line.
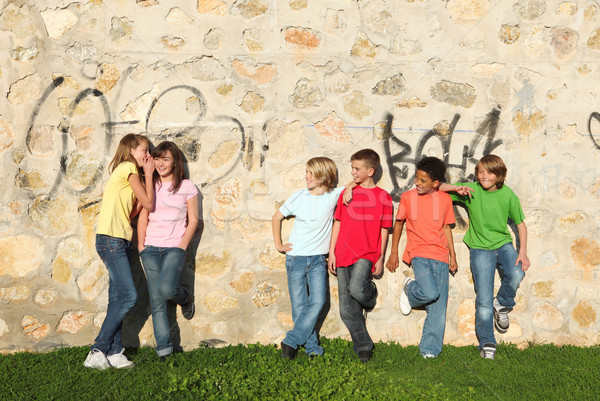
x,y
193,130
595,138
402,158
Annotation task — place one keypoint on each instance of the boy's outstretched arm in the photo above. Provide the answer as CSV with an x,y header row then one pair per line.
x,y
393,261
276,225
522,257
335,231
460,189
453,265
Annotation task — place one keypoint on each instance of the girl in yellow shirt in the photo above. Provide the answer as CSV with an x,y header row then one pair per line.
x,y
128,189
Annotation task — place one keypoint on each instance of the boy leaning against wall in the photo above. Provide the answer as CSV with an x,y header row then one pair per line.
x,y
358,242
429,251
490,205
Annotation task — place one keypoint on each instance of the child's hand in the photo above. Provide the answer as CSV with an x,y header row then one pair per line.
x,y
148,165
347,197
378,268
525,263
453,266
331,264
284,247
392,263
464,190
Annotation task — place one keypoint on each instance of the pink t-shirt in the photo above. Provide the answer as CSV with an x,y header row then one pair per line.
x,y
168,221
425,217
361,222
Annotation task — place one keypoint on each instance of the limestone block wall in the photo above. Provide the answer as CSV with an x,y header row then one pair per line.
x,y
250,90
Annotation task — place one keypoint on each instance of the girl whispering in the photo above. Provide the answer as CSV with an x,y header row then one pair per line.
x,y
128,189
163,237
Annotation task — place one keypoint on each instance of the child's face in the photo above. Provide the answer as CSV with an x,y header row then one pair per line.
x,y
311,181
141,153
424,183
360,171
164,165
487,179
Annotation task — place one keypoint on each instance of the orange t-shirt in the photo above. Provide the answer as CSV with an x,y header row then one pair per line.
x,y
425,217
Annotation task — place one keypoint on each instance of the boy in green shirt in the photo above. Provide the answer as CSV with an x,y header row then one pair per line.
x,y
490,204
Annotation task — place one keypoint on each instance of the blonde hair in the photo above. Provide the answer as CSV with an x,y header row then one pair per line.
x,y
123,153
324,170
494,165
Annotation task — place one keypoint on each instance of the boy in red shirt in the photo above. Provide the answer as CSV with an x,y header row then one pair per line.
x,y
429,250
358,242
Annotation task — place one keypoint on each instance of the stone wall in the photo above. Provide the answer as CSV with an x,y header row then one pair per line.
x,y
250,89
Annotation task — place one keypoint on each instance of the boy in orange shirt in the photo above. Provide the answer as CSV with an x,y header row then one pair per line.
x,y
429,250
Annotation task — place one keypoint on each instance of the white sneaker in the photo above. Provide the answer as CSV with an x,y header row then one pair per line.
x,y
428,356
405,307
488,351
120,360
96,360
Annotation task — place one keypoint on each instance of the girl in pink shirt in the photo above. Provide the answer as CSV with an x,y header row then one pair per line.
x,y
163,237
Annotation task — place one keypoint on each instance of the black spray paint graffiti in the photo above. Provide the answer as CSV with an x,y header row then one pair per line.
x,y
246,144
401,163
595,141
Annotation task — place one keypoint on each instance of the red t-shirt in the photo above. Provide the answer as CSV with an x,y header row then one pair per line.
x,y
425,217
361,222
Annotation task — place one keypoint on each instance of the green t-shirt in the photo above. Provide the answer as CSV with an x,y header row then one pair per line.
x,y
488,215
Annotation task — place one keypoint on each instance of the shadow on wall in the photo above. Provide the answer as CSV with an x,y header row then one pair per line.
x,y
139,314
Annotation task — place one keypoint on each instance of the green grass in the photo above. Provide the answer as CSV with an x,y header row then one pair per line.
x,y
539,372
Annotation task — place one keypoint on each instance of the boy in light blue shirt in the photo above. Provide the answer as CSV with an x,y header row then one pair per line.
x,y
306,251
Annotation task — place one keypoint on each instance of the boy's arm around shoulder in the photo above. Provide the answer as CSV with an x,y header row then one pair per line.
x,y
347,194
460,189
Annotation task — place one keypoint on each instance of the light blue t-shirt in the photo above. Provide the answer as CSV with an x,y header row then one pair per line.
x,y
311,231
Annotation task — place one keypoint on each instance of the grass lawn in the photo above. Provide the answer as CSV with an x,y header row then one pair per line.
x,y
540,372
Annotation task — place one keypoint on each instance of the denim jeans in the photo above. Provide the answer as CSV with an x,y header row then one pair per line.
x,y
115,253
163,267
307,285
356,293
430,289
483,267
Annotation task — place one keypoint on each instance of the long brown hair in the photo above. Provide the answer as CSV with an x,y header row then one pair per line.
x,y
177,155
123,153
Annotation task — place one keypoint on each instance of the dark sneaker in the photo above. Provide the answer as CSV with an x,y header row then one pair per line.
x,y
488,351
287,351
365,356
366,311
501,321
189,309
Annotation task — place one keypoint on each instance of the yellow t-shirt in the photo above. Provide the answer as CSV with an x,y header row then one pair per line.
x,y
117,203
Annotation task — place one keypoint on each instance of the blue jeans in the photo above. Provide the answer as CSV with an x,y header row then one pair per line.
x,y
115,253
356,293
163,267
430,289
307,285
483,267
